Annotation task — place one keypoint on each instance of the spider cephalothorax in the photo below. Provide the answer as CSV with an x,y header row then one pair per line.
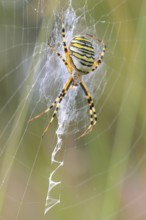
x,y
79,60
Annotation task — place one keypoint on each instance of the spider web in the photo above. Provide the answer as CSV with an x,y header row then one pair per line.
x,y
100,176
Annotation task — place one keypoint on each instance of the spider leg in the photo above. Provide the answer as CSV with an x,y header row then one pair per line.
x,y
46,110
64,39
98,62
55,103
92,112
65,46
52,118
67,60
59,55
59,99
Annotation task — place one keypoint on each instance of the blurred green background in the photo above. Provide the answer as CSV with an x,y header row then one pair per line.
x,y
104,173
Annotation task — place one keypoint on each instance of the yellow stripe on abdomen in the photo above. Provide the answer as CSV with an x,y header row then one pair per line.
x,y
84,58
82,46
82,39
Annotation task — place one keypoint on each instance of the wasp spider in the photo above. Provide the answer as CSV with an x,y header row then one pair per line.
x,y
79,60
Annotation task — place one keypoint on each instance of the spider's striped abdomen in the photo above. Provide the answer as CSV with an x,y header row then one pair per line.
x,y
82,54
